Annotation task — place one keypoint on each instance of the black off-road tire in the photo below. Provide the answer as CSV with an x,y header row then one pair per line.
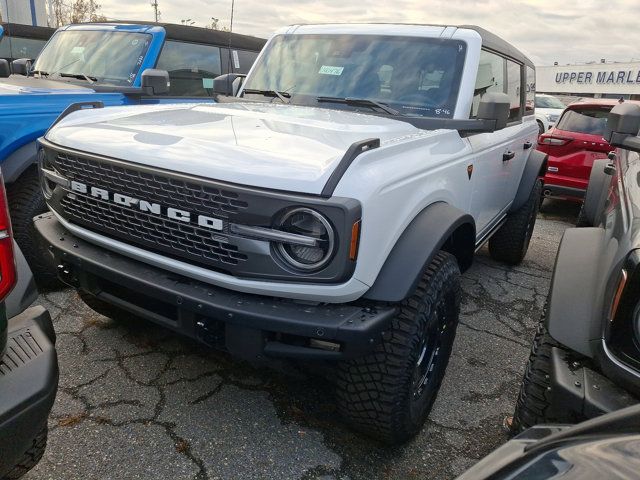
x,y
582,220
534,405
388,393
106,309
25,202
31,457
511,242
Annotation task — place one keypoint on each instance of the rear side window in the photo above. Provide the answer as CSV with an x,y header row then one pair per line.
x,y
591,121
17,47
490,78
192,67
530,91
514,88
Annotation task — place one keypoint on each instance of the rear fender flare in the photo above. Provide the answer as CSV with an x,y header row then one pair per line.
x,y
534,168
597,190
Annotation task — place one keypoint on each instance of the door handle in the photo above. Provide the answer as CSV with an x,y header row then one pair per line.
x,y
527,145
508,155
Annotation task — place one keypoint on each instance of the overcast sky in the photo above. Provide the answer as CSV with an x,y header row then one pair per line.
x,y
566,31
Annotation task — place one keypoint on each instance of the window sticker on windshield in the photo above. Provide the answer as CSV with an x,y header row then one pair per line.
x,y
329,70
236,60
207,83
77,50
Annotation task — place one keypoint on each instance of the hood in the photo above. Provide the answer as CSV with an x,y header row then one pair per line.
x,y
275,146
20,85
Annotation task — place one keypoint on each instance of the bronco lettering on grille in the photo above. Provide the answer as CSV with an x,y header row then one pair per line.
x,y
144,206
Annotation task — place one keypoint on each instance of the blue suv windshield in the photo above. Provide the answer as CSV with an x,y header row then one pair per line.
x,y
105,57
415,76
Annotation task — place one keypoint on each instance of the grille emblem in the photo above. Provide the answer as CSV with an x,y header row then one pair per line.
x,y
148,207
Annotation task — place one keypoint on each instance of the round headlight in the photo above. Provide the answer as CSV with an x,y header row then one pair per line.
x,y
312,241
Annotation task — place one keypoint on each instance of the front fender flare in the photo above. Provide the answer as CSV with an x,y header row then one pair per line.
x,y
575,298
18,161
439,226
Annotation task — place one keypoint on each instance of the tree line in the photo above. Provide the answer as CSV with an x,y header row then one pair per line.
x,y
76,11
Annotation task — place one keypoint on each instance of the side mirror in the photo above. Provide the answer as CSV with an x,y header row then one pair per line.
x,y
228,84
495,106
155,82
21,66
623,126
5,71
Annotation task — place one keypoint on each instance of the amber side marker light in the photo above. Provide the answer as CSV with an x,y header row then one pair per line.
x,y
616,299
355,240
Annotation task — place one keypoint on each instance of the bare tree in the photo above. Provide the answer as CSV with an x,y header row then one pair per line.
x,y
77,11
60,12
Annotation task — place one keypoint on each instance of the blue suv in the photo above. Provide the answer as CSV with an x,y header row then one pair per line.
x,y
101,64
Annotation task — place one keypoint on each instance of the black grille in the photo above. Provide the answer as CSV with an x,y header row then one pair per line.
x,y
152,187
186,241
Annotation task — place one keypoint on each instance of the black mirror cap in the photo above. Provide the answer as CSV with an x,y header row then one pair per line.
x,y
5,70
155,82
623,120
495,106
228,84
21,66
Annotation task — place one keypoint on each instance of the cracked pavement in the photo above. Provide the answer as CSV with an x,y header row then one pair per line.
x,y
137,401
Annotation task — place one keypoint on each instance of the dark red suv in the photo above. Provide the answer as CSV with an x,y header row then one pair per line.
x,y
573,145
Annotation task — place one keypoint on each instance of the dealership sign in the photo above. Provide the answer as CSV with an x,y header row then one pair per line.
x,y
601,77
590,79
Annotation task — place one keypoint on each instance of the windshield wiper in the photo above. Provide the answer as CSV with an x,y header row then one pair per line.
x,y
42,73
283,96
360,102
79,76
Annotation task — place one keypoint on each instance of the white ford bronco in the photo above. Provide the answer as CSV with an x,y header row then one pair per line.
x,y
322,212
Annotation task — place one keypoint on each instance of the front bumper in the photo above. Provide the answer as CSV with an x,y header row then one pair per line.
x,y
250,326
28,383
579,389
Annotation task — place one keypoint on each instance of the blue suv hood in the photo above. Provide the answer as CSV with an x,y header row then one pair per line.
x,y
19,85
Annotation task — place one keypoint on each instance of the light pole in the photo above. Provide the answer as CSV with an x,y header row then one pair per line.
x,y
156,12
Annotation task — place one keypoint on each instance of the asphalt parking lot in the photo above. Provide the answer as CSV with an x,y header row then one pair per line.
x,y
137,401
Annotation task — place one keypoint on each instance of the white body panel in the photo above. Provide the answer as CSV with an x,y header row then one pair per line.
x,y
257,144
295,149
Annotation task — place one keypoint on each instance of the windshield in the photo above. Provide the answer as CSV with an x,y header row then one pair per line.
x,y
416,76
109,57
548,102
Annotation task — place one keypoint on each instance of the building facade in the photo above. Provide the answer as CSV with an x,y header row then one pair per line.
x,y
26,12
599,80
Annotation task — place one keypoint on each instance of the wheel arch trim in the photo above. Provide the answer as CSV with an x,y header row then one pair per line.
x,y
439,226
575,296
533,169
